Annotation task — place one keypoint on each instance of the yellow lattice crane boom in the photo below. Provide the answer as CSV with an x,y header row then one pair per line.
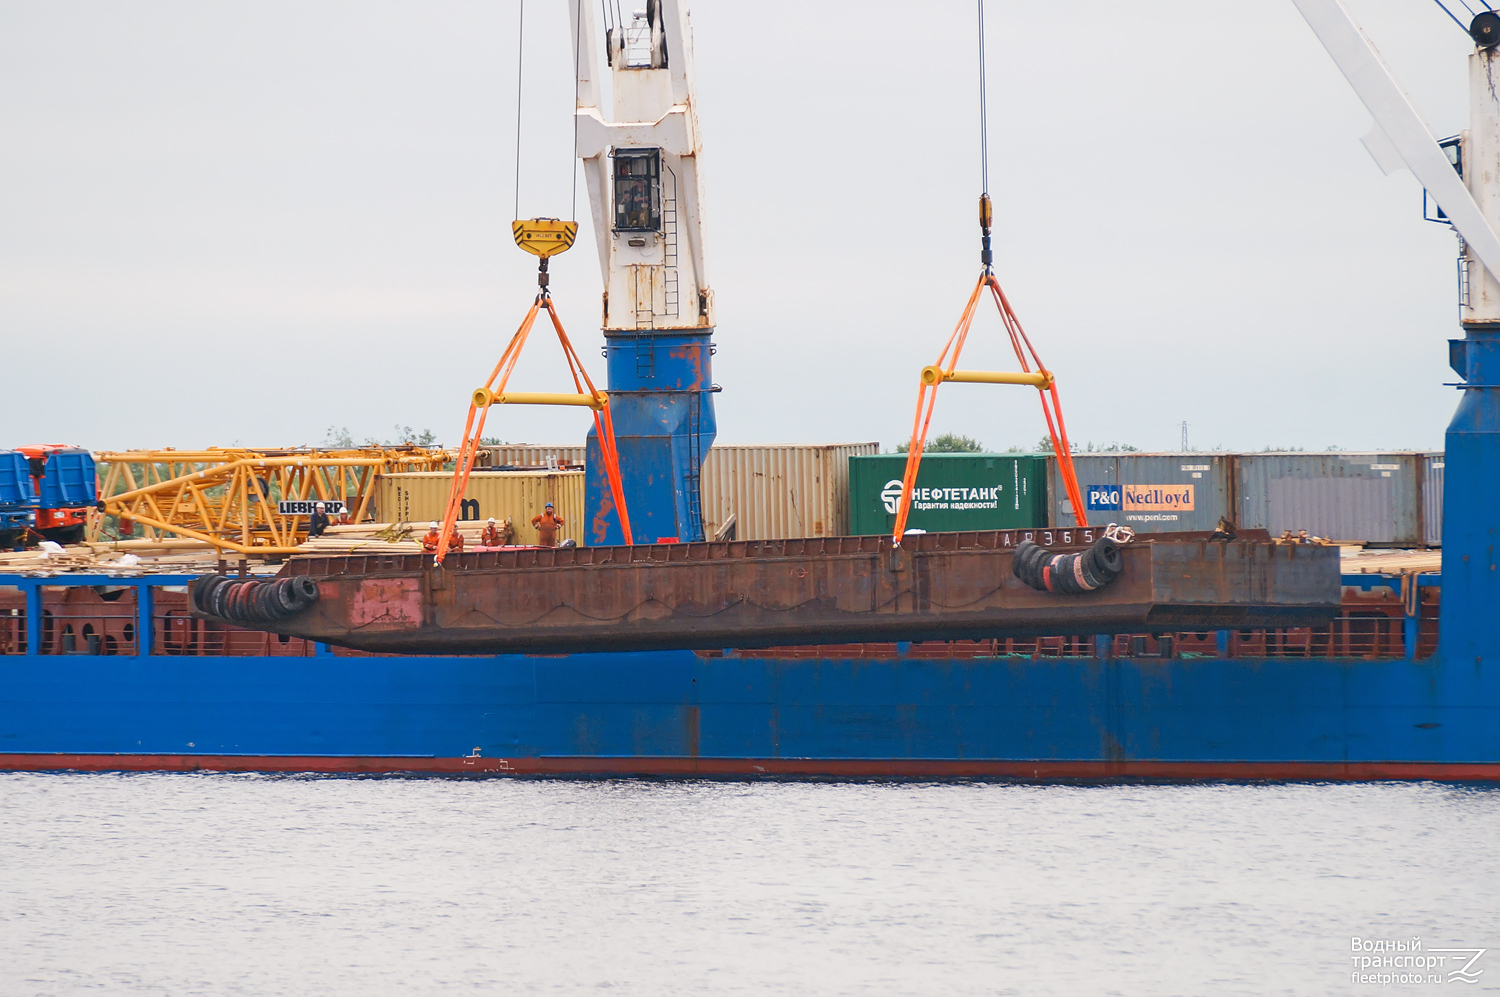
x,y
244,500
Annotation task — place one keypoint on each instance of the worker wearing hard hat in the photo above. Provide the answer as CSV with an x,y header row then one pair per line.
x,y
490,537
546,526
456,540
433,538
318,522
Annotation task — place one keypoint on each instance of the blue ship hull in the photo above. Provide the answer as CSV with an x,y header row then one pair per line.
x,y
678,714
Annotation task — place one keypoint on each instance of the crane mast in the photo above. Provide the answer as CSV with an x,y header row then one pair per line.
x,y
1467,190
641,164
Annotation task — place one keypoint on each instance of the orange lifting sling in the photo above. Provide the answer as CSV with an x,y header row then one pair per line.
x,y
543,237
946,370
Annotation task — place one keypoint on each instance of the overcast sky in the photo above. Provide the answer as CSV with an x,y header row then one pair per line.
x,y
241,223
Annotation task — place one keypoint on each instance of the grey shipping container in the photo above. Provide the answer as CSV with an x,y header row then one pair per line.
x,y
1432,498
1149,492
1360,497
531,455
953,492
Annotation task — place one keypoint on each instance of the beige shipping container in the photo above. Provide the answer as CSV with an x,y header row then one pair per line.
x,y
531,455
423,496
776,492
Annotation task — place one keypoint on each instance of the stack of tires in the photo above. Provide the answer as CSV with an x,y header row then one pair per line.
x,y
253,600
1070,574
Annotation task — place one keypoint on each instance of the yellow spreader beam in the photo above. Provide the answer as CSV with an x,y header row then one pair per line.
x,y
1038,379
484,398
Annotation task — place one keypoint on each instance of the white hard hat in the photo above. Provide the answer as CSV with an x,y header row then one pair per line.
x,y
492,520
321,507
433,524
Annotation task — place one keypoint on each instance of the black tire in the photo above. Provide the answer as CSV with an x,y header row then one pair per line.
x,y
1086,561
1018,558
286,599
1108,561
305,590
218,600
203,592
258,608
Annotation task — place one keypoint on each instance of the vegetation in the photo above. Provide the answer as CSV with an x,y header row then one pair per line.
x,y
948,443
339,438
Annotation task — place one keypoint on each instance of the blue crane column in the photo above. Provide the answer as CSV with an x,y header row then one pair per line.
x,y
661,400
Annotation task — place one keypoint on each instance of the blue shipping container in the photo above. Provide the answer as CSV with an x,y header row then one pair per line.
x,y
68,480
15,480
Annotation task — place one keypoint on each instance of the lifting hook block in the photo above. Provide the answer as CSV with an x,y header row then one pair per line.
x,y
1041,379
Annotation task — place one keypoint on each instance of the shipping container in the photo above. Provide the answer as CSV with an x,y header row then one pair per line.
x,y
1432,499
531,455
15,480
69,479
773,492
962,491
419,497
1149,492
1363,497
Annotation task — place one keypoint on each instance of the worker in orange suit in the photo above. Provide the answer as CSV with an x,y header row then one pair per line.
x,y
433,537
546,526
456,540
491,536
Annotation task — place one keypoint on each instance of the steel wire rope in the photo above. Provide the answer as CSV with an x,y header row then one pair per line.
x,y
984,124
520,57
577,44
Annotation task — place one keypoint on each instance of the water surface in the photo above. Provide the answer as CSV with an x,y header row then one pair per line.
x,y
235,884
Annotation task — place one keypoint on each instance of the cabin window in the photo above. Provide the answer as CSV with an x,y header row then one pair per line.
x,y
637,190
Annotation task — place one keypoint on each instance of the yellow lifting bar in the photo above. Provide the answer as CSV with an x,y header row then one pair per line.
x,y
933,374
484,398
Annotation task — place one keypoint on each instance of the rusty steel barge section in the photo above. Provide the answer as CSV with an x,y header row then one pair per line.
x,y
751,594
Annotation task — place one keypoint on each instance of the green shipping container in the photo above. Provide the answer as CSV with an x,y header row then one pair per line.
x,y
957,491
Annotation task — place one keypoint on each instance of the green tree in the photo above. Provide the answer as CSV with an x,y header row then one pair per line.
x,y
948,443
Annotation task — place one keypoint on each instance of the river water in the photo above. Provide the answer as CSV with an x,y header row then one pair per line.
x,y
235,884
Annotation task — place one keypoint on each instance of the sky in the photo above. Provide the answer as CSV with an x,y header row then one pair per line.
x,y
238,223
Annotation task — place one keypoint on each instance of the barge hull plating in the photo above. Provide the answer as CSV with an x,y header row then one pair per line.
x,y
679,714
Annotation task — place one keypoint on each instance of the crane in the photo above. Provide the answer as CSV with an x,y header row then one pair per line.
x,y
641,160
1467,190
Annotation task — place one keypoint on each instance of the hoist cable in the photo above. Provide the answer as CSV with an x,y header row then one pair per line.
x,y
984,126
577,43
520,55
1444,8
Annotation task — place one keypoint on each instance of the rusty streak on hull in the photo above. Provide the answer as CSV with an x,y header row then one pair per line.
x,y
937,586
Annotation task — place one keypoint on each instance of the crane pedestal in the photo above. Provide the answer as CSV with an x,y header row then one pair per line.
x,y
661,400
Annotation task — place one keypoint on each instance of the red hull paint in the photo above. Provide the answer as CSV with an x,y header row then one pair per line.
x,y
851,768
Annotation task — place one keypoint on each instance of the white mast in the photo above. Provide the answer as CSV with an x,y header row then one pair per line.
x,y
641,165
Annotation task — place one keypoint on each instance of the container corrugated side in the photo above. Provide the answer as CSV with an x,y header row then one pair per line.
x,y
953,492
1432,498
777,492
1149,492
69,480
417,497
15,480
531,454
1359,497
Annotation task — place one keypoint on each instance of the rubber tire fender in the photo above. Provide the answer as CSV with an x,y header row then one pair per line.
x,y
203,592
286,601
1108,562
213,603
305,590
1020,560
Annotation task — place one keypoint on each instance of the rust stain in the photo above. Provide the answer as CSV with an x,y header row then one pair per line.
x,y
391,601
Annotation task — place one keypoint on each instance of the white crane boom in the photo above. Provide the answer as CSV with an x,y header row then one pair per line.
x,y
1401,137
